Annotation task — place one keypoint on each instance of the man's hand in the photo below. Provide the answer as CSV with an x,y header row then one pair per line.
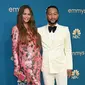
x,y
69,73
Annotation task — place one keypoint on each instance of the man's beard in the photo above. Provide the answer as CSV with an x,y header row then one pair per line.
x,y
52,23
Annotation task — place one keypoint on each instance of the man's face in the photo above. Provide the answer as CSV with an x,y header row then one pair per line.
x,y
52,16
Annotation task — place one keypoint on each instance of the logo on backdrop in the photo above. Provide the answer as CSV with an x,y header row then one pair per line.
x,y
13,9
78,53
76,33
75,74
78,11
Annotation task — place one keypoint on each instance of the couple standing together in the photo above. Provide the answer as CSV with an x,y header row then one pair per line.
x,y
27,42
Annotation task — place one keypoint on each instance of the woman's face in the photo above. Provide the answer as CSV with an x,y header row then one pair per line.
x,y
26,16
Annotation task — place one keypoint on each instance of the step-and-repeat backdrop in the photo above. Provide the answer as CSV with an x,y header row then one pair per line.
x,y
72,14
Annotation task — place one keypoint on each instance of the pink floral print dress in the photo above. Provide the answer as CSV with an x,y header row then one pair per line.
x,y
26,57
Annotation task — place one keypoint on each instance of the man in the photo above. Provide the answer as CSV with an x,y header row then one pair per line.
x,y
57,54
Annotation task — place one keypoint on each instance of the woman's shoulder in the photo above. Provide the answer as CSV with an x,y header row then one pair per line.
x,y
14,28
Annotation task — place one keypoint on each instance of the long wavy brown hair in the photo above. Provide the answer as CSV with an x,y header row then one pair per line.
x,y
31,23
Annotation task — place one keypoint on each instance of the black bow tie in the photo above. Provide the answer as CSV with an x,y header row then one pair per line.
x,y
50,28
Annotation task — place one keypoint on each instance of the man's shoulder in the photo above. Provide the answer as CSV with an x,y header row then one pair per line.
x,y
39,28
62,26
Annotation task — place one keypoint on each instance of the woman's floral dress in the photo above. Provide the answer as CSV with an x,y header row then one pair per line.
x,y
26,57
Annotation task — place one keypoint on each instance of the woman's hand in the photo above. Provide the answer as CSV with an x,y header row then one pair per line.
x,y
69,73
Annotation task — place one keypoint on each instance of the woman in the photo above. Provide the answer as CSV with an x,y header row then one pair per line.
x,y
26,45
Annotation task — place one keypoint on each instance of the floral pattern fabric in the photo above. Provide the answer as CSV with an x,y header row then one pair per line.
x,y
27,57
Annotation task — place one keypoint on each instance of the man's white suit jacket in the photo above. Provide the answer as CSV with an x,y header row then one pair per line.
x,y
57,51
